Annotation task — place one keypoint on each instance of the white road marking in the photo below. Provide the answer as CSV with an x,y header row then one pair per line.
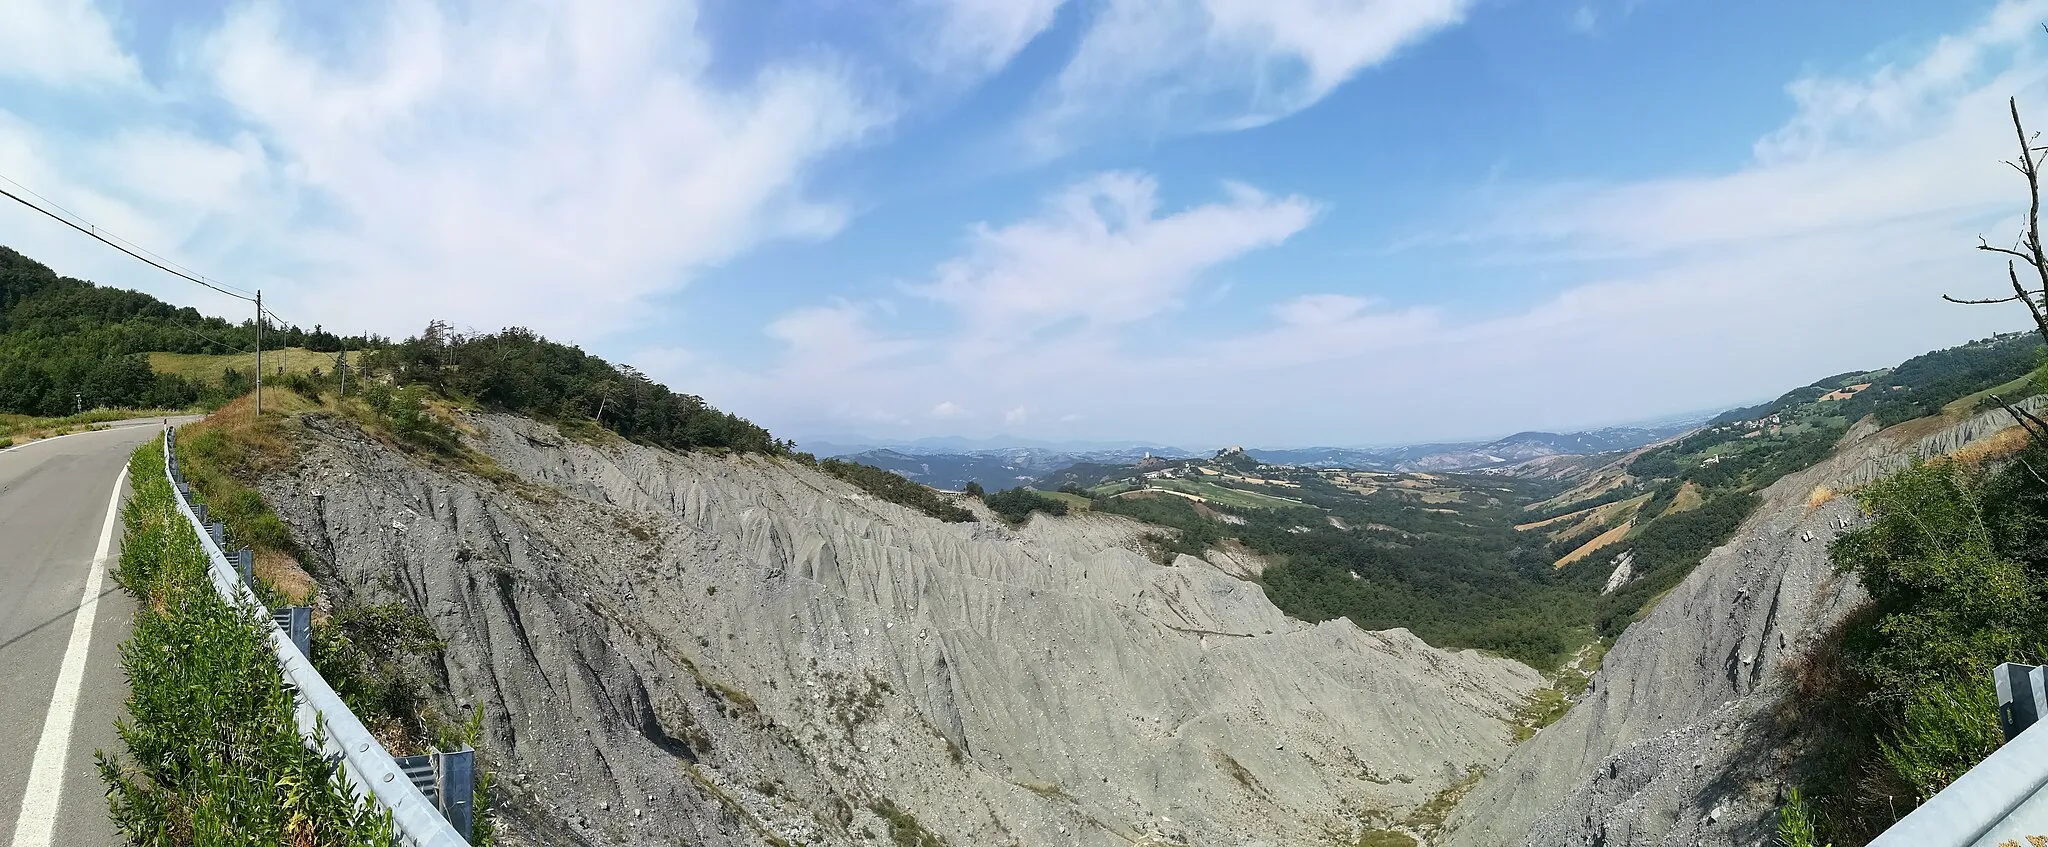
x,y
39,804
81,432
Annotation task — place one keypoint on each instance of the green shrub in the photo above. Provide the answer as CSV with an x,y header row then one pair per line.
x,y
1954,561
362,651
1795,824
405,412
1947,603
1946,731
214,754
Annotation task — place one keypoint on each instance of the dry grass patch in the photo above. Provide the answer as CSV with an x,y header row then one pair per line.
x,y
1687,499
1599,541
1819,496
207,368
1568,516
284,574
2004,444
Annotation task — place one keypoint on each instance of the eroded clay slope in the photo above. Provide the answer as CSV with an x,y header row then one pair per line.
x,y
734,650
1674,742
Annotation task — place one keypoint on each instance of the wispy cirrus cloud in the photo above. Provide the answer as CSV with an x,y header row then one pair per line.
x,y
974,37
1038,298
1163,67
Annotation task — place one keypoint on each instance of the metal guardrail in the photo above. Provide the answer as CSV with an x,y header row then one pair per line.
x,y
323,719
2004,799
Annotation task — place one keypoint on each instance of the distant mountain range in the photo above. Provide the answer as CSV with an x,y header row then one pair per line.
x,y
997,468
957,445
950,463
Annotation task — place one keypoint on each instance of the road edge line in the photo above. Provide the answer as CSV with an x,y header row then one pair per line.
x,y
84,432
40,802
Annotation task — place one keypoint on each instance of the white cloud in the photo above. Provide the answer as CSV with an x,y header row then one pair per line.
x,y
1896,100
1906,141
62,42
550,164
1036,305
1172,66
1103,255
526,163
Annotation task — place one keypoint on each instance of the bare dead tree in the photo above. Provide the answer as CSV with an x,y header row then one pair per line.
x,y
2028,247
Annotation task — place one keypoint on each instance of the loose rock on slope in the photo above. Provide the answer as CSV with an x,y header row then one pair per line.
x,y
742,650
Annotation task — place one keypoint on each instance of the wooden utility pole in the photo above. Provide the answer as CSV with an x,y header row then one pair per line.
x,y
259,352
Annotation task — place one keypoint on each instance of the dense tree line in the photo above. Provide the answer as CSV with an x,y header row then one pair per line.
x,y
1016,504
66,343
895,489
1463,580
1919,386
1193,532
1665,551
519,371
1933,380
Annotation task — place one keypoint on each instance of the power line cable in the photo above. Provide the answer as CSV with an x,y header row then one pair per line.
x,y
181,325
94,232
96,229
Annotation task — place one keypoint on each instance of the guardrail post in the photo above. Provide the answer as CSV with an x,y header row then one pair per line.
x,y
199,511
2022,696
455,787
245,564
297,623
218,532
301,629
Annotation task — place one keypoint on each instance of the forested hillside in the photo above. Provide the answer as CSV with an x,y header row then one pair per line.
x,y
1527,568
66,342
519,371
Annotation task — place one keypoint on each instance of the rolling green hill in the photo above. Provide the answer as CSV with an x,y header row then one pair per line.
x,y
66,343
1517,565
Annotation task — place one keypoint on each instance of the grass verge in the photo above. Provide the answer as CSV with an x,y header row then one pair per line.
x,y
372,654
21,429
213,753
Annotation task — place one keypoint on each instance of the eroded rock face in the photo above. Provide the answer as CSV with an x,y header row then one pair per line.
x,y
1674,742
717,650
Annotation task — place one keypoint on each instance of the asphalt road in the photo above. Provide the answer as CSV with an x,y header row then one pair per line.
x,y
61,686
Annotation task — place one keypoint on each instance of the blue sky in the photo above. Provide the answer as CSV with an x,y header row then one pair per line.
x,y
1199,221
